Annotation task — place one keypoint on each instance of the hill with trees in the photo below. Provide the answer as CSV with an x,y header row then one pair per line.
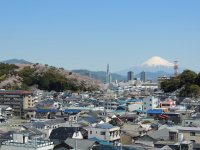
x,y
23,76
188,82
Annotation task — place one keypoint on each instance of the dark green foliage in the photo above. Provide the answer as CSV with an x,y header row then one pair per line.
x,y
188,77
171,85
27,74
7,69
198,79
190,91
188,81
50,80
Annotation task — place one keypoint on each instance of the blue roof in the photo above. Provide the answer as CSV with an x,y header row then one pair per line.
x,y
118,111
46,110
134,100
155,111
72,111
100,142
105,126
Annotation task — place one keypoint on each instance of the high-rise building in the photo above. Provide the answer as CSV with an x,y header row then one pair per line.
x,y
143,76
108,75
130,76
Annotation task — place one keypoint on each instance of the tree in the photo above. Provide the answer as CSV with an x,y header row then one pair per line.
x,y
188,77
198,79
170,85
190,90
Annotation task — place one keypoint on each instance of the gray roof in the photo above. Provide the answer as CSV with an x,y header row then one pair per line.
x,y
83,144
166,147
162,134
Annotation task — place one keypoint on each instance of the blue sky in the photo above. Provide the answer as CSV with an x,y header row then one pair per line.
x,y
88,34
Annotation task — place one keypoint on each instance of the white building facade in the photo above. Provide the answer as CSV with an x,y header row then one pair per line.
x,y
150,102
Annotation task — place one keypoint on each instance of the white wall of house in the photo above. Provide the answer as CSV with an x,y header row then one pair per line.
x,y
150,102
104,134
77,135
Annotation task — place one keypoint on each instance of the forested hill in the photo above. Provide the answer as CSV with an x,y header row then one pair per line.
x,y
23,76
187,83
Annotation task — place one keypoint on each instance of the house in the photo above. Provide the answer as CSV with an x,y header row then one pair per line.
x,y
83,144
131,132
191,122
150,103
190,133
71,114
154,113
59,135
30,113
46,113
168,103
91,121
22,142
47,126
129,117
105,132
6,111
174,117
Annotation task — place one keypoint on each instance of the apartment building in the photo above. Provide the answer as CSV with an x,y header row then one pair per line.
x,y
17,100
150,103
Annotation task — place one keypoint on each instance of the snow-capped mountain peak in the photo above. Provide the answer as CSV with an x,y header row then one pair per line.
x,y
157,61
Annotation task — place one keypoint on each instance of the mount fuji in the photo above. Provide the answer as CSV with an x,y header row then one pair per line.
x,y
155,65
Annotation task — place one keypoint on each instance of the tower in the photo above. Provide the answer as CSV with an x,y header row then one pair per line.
x,y
175,68
143,76
108,69
130,76
108,75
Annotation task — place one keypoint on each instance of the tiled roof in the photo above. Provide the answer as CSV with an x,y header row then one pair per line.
x,y
15,92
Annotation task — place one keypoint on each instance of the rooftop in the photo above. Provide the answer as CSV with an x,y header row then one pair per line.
x,y
15,92
30,143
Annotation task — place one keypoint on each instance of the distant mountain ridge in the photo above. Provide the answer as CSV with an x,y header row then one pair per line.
x,y
99,75
13,61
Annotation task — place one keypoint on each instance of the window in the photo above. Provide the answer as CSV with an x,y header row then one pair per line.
x,y
193,141
171,138
103,133
90,132
144,102
192,133
150,105
150,99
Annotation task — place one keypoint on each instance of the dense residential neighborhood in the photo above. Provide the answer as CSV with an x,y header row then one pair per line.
x,y
130,114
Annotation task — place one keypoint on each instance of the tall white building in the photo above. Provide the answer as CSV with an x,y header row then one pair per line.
x,y
150,102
